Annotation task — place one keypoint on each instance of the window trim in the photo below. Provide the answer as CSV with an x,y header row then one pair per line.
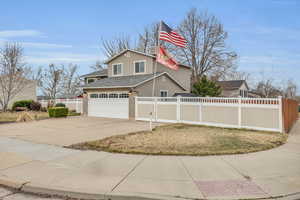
x,y
112,72
163,91
87,80
145,65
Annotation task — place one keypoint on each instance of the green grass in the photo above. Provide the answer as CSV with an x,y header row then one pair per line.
x,y
181,139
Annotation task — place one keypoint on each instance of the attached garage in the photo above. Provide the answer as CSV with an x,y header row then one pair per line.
x,y
111,105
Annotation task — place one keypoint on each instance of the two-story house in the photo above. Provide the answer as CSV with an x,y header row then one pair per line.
x,y
133,71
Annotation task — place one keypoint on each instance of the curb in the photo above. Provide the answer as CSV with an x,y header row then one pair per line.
x,y
61,192
5,181
28,187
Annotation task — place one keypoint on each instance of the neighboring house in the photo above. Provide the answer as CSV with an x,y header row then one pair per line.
x,y
27,93
133,71
234,88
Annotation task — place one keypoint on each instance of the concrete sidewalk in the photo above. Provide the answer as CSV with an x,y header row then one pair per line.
x,y
42,168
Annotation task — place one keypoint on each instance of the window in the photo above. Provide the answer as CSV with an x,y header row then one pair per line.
x,y
113,95
103,96
123,95
90,80
163,93
243,93
93,96
139,67
117,69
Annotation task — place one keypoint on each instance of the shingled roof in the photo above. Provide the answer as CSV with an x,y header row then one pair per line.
x,y
126,81
231,85
102,72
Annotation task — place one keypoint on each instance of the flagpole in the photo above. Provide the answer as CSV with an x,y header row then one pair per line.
x,y
154,76
155,66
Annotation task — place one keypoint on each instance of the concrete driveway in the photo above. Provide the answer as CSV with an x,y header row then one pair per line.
x,y
71,130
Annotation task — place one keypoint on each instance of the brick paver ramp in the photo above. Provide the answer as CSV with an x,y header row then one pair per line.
x,y
28,164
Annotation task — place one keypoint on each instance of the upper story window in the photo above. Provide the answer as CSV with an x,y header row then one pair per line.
x,y
139,66
117,69
163,93
90,80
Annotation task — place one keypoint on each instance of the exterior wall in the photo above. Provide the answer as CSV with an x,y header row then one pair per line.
x,y
127,59
27,93
182,75
162,83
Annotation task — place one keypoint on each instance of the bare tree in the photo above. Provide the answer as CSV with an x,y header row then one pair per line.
x,y
98,66
206,49
289,89
52,81
13,73
71,81
148,39
114,46
37,75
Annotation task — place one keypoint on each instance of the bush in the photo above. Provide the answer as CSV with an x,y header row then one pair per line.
x,y
58,112
60,105
22,103
36,106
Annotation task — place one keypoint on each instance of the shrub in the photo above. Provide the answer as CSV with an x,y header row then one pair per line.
x,y
60,105
36,106
22,103
205,87
58,112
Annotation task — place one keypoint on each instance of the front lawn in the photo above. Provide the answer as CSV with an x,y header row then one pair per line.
x,y
182,139
12,116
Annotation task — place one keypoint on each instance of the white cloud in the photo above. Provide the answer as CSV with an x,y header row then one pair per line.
x,y
19,33
45,45
58,58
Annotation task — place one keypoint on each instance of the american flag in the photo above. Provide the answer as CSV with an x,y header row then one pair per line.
x,y
169,35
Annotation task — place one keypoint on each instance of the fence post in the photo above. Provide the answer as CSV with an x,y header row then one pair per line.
x,y
136,107
240,112
280,112
200,111
155,108
178,109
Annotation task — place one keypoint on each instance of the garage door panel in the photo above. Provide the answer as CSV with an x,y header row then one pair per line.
x,y
111,108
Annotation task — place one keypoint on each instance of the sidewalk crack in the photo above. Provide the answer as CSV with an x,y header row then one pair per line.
x,y
128,173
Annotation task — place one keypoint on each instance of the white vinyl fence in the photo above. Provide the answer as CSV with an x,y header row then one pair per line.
x,y
72,104
250,113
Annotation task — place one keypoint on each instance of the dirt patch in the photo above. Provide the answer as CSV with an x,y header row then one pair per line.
x,y
181,139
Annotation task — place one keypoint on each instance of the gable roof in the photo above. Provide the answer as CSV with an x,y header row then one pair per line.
x,y
127,81
231,85
96,73
138,52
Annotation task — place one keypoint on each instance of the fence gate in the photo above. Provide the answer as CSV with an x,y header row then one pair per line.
x,y
108,107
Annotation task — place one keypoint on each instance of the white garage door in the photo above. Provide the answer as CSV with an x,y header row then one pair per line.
x,y
108,107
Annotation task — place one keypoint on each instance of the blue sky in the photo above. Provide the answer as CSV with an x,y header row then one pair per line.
x,y
265,34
